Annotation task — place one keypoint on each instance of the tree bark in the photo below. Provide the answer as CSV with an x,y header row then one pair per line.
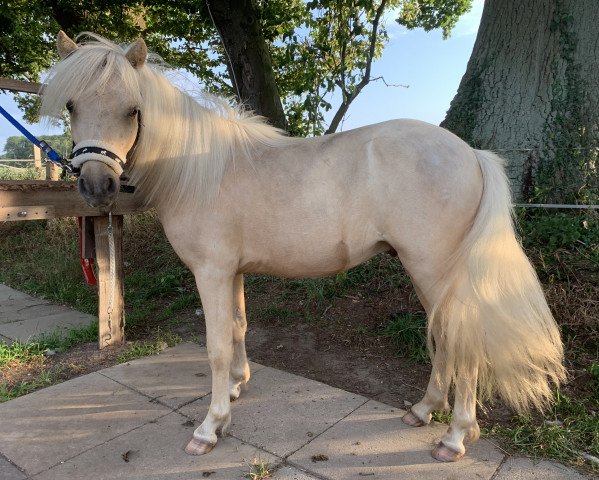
x,y
531,92
249,62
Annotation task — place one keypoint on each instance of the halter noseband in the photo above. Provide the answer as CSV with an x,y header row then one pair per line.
x,y
93,151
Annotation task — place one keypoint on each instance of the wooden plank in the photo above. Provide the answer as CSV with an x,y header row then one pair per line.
x,y
111,312
62,196
39,212
20,86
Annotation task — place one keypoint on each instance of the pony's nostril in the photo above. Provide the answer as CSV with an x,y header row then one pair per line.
x,y
83,186
110,186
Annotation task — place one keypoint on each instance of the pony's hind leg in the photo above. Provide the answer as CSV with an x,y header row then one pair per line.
x,y
463,423
451,447
240,368
215,289
435,398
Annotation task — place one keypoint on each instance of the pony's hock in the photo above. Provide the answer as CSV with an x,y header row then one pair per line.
x,y
236,196
36,200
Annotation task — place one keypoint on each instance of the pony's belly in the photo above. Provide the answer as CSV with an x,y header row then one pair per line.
x,y
310,263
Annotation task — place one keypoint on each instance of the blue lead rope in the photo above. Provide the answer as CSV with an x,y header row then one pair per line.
x,y
52,155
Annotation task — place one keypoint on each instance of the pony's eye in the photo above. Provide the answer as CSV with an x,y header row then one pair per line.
x,y
133,112
70,106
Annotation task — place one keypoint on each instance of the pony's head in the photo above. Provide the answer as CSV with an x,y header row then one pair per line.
x,y
99,85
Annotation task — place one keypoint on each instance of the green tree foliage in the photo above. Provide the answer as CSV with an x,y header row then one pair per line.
x,y
318,48
19,147
431,14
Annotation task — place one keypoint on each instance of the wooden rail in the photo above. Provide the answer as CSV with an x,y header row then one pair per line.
x,y
37,199
56,199
20,86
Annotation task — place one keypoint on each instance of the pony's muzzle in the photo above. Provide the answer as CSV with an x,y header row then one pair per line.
x,y
98,184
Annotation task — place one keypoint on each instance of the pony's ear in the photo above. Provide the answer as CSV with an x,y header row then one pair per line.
x,y
65,45
137,53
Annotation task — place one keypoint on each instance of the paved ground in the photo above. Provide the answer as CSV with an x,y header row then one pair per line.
x,y
133,420
22,316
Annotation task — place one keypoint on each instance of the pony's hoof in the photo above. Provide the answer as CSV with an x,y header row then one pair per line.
x,y
235,389
234,393
197,447
412,420
446,454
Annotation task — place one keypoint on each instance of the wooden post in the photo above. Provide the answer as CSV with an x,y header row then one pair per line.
x,y
111,317
37,161
52,171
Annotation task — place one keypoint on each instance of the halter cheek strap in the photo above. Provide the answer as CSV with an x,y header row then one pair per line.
x,y
92,150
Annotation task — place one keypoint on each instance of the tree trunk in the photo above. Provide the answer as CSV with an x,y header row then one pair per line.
x,y
249,63
531,92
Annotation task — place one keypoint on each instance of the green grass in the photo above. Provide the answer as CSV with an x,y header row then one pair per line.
x,y
60,341
44,379
407,332
20,352
568,430
31,355
18,173
594,371
152,347
377,275
24,356
274,312
42,258
259,470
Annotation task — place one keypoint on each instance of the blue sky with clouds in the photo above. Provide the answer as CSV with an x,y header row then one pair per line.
x,y
430,66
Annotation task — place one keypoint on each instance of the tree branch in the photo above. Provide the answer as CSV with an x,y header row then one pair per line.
x,y
382,79
349,97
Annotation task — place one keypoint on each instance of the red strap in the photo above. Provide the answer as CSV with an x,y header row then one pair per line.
x,y
87,264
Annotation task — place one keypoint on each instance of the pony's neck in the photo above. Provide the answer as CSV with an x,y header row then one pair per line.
x,y
184,148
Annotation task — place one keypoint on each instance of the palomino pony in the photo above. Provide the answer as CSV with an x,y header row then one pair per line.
x,y
235,195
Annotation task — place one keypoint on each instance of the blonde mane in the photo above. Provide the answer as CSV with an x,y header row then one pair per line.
x,y
184,147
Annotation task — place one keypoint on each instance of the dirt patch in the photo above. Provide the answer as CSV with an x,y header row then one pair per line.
x,y
43,371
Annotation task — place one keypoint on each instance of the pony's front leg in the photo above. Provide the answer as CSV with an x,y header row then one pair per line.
x,y
216,290
240,368
463,423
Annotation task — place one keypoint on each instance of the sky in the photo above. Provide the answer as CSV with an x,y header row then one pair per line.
x,y
429,66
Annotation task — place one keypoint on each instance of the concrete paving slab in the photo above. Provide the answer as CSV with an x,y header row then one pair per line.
x,y
9,472
177,376
280,412
54,424
4,339
65,319
374,442
25,309
291,473
7,293
155,452
520,468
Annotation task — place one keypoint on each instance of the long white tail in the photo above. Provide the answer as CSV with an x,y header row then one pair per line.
x,y
493,315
